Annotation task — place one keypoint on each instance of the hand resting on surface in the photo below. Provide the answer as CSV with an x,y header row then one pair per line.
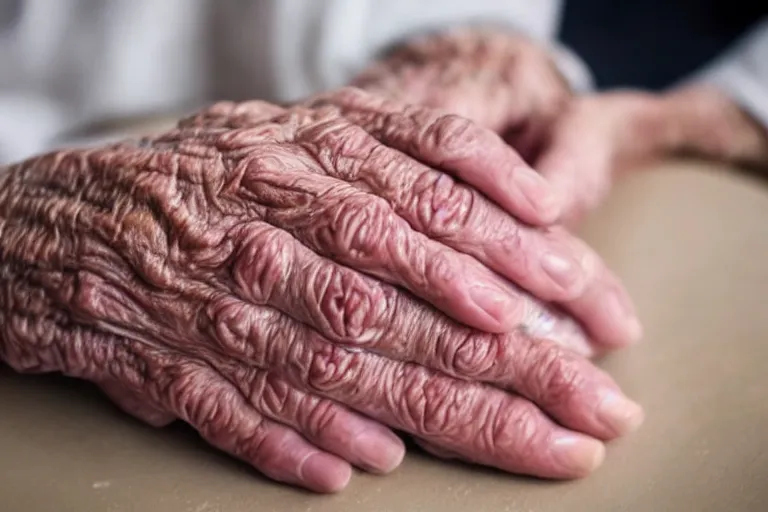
x,y
294,282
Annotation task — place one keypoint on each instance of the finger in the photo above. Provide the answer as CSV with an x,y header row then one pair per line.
x,y
350,308
451,212
577,163
328,425
608,305
361,231
212,405
482,423
195,393
138,407
454,144
605,307
355,310
228,422
551,264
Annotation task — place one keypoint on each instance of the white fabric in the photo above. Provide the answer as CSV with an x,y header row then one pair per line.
x,y
68,62
742,72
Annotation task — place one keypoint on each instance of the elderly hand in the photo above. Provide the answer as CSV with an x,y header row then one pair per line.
x,y
500,79
258,272
510,84
602,135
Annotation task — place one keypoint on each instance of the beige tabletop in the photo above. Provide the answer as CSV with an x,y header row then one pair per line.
x,y
691,243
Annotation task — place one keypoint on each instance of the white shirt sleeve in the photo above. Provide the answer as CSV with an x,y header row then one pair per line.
x,y
321,44
67,63
742,72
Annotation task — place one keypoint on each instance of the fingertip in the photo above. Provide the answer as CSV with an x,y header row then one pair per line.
x,y
619,414
380,452
542,199
577,455
325,473
620,312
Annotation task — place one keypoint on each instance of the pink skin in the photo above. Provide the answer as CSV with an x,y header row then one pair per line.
x,y
278,278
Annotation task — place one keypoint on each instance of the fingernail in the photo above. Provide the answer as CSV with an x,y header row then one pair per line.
x,y
564,271
378,453
494,302
537,192
322,472
620,413
621,310
579,455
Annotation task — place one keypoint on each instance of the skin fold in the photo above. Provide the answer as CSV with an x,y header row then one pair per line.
x,y
296,282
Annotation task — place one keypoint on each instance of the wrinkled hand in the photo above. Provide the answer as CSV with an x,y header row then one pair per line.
x,y
222,274
500,79
600,136
510,84
594,139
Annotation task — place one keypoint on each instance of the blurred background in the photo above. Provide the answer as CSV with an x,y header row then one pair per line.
x,y
71,69
654,43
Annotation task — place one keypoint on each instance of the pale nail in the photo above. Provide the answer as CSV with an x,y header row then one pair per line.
x,y
580,455
564,271
620,413
623,313
378,453
323,472
537,192
494,302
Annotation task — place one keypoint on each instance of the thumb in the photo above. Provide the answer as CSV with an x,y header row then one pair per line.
x,y
576,163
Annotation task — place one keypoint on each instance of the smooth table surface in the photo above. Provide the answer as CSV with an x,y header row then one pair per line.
x,y
691,243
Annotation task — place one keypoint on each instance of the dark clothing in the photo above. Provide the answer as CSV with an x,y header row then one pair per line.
x,y
653,43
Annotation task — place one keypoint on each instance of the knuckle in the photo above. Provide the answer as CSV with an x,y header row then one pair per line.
x,y
475,355
442,269
429,405
557,376
518,430
442,408
273,396
350,307
360,226
258,335
445,207
275,179
228,323
343,149
319,418
263,263
451,135
200,400
332,368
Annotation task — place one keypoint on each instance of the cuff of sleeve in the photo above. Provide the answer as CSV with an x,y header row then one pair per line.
x,y
742,87
573,68
742,73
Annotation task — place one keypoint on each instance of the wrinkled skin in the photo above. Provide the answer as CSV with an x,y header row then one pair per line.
x,y
265,275
580,144
498,78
